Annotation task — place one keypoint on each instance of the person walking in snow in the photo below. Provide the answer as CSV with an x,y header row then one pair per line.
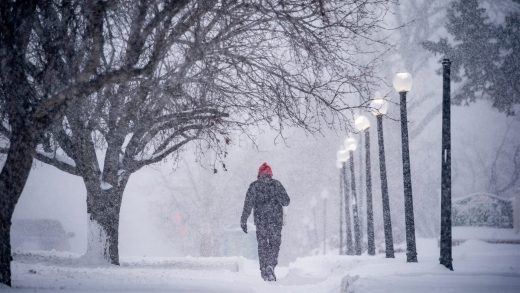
x,y
267,197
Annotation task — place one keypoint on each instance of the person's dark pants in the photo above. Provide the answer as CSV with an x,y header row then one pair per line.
x,y
269,238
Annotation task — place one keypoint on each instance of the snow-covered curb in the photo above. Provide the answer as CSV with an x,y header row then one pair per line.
x,y
54,258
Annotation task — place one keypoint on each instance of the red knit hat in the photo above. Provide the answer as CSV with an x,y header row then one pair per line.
x,y
265,170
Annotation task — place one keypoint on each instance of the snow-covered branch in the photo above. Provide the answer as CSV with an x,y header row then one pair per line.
x,y
61,162
137,164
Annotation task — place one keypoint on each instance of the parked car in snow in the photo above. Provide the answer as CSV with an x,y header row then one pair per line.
x,y
39,234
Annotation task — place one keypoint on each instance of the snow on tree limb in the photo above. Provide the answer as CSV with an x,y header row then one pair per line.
x,y
61,162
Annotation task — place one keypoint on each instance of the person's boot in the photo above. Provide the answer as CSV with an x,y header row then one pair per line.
x,y
270,274
264,274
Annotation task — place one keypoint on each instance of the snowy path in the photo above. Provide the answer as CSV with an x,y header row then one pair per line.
x,y
49,273
479,267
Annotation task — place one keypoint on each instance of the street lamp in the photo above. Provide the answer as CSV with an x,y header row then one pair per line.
x,y
339,165
314,203
308,227
363,124
343,156
324,195
445,243
403,84
380,107
351,146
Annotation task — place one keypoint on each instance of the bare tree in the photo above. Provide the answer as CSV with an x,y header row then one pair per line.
x,y
239,64
54,53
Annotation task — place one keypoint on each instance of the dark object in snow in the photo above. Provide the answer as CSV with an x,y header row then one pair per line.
x,y
387,219
355,204
370,211
445,244
269,274
267,196
341,191
39,234
411,251
348,222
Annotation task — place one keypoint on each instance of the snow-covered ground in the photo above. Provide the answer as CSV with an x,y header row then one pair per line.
x,y
479,267
486,234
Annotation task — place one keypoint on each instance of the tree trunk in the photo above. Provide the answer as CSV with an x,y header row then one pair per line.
x,y
12,181
103,208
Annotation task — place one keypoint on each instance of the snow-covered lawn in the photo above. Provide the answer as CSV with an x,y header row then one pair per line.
x,y
479,267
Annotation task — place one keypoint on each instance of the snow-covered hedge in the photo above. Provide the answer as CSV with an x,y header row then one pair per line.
x,y
483,209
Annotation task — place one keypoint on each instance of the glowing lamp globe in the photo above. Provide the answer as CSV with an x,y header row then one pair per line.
x,y
362,123
350,144
402,82
379,105
342,156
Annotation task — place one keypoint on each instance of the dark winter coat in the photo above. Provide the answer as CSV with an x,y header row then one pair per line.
x,y
267,196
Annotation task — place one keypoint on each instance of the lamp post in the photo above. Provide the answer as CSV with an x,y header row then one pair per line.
x,y
351,146
403,84
363,124
445,253
307,223
343,156
339,165
359,192
380,107
324,195
314,203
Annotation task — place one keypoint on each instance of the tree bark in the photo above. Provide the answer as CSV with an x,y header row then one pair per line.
x,y
12,181
103,208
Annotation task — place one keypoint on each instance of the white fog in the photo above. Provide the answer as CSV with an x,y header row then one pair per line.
x,y
142,131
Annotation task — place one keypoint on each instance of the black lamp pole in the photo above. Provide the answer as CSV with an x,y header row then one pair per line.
x,y
348,223
357,229
341,191
325,225
315,219
359,193
411,251
445,253
370,212
387,220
